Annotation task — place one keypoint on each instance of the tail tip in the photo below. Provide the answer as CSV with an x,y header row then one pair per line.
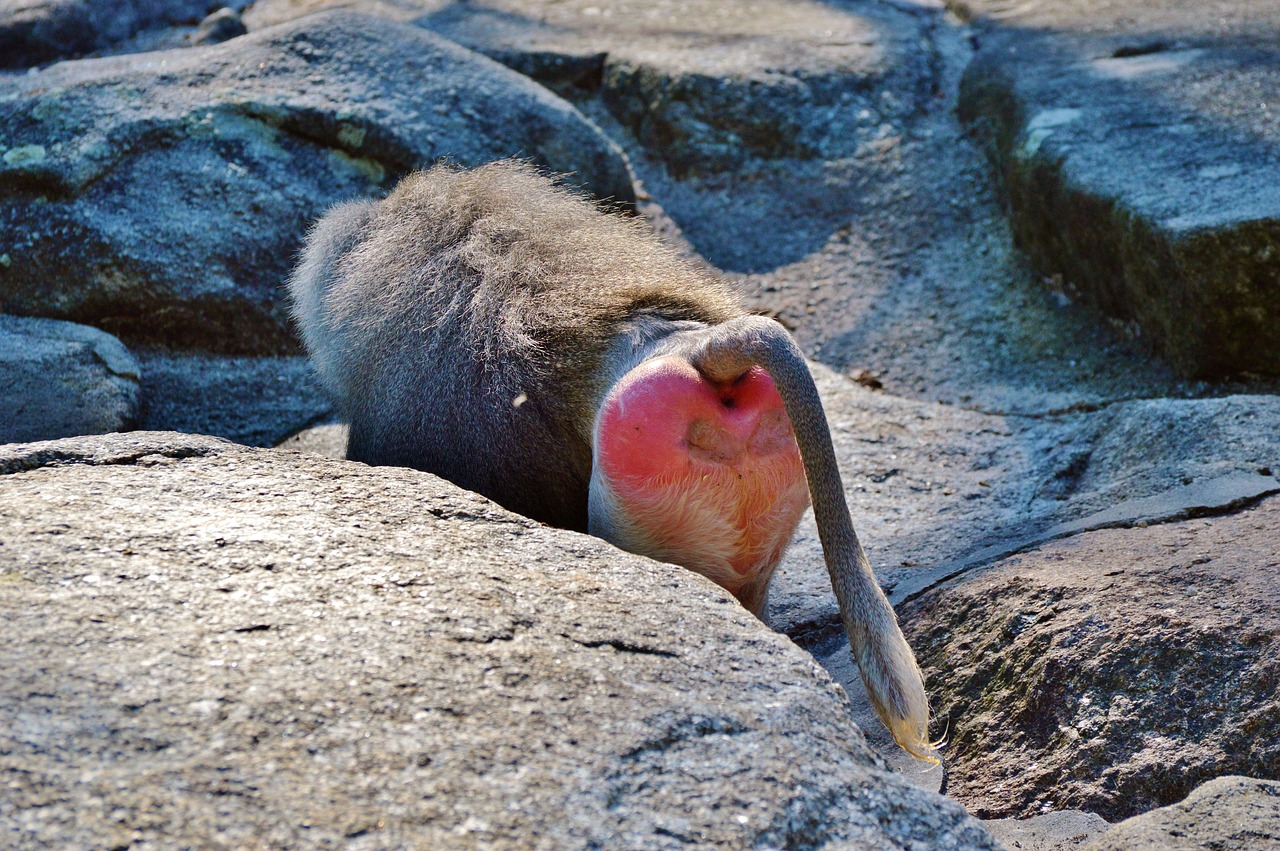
x,y
912,736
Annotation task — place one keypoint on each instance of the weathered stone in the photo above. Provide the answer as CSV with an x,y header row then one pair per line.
x,y
257,401
1061,831
938,488
1140,159
59,379
1226,812
214,644
223,24
34,31
1112,671
704,85
163,196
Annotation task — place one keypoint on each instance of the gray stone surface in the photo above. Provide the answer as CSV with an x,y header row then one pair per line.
x,y
59,379
980,407
1112,671
933,485
1140,158
258,401
705,85
163,196
35,31
1225,813
1061,831
210,644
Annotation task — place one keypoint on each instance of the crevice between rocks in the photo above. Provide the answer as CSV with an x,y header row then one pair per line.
x,y
53,457
1214,497
624,647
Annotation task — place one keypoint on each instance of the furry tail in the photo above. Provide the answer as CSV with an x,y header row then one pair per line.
x,y
889,670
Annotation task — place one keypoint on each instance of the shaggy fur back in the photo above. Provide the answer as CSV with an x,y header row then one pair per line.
x,y
461,323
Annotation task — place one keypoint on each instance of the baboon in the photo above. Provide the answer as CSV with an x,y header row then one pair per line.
x,y
499,330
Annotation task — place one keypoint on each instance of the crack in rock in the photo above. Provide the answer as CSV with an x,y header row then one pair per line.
x,y
1220,495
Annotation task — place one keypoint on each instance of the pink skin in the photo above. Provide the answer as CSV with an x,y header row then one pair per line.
x,y
707,475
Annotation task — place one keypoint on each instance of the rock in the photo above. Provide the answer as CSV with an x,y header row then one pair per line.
x,y
937,492
210,643
257,401
1226,812
59,379
1112,671
1138,156
220,26
936,489
35,31
1059,831
163,196
704,85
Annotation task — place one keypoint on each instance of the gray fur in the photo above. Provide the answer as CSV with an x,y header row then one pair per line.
x,y
431,313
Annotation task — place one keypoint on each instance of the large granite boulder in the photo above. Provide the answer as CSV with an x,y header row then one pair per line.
x,y
1140,159
213,644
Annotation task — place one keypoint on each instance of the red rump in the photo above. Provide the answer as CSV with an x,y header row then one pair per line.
x,y
664,412
698,463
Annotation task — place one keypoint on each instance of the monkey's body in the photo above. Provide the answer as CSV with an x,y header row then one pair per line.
x,y
439,319
501,332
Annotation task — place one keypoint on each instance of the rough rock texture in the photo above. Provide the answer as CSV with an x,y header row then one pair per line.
x,y
1227,812
981,409
258,401
1112,671
34,31
1140,158
1058,831
213,644
704,84
164,197
59,379
933,487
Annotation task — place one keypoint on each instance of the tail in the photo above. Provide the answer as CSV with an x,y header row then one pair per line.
x,y
888,666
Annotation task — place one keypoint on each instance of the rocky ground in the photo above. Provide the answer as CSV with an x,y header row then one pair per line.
x,y
1032,249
